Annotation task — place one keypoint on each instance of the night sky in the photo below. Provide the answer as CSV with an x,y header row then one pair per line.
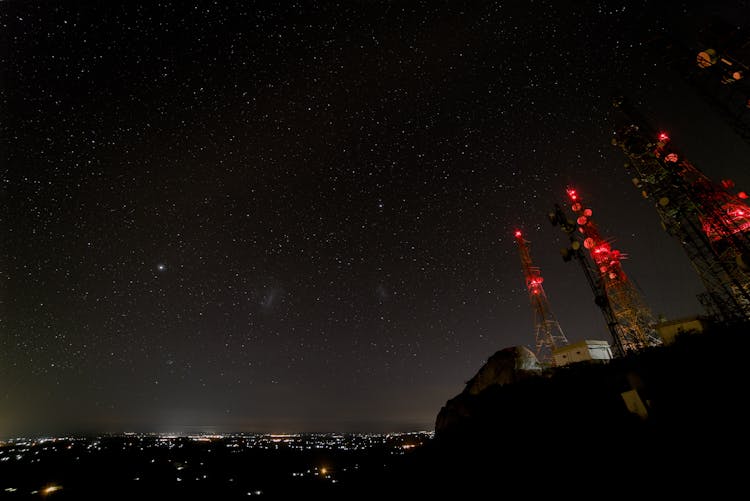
x,y
269,217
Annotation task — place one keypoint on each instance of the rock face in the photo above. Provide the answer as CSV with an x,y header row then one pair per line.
x,y
507,366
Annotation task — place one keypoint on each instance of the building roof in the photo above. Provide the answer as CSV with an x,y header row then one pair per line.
x,y
684,320
586,343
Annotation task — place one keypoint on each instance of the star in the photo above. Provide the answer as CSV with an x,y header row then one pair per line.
x,y
311,226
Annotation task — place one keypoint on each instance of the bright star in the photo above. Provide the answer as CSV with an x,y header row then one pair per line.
x,y
161,266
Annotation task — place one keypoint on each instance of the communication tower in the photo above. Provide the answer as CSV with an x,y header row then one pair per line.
x,y
716,63
711,223
634,318
575,251
548,333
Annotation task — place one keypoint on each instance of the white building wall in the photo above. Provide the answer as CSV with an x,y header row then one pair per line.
x,y
583,351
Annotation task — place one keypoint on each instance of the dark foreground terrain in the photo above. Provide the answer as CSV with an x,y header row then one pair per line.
x,y
570,433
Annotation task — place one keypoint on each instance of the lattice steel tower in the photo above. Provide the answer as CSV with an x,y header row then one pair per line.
x,y
548,333
576,251
635,322
712,224
716,63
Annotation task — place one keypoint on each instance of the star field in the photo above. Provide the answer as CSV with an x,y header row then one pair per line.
x,y
300,216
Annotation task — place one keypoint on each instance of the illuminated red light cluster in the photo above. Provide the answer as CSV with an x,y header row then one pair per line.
x,y
663,136
606,258
535,285
735,218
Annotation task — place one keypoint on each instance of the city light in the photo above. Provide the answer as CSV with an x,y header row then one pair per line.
x,y
192,458
50,489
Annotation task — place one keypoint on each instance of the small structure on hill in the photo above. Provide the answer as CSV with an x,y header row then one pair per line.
x,y
671,329
589,350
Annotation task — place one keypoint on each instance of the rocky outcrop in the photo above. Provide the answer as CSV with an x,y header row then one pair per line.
x,y
507,366
579,421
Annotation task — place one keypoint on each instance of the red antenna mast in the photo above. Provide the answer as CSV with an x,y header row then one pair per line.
x,y
635,322
548,333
